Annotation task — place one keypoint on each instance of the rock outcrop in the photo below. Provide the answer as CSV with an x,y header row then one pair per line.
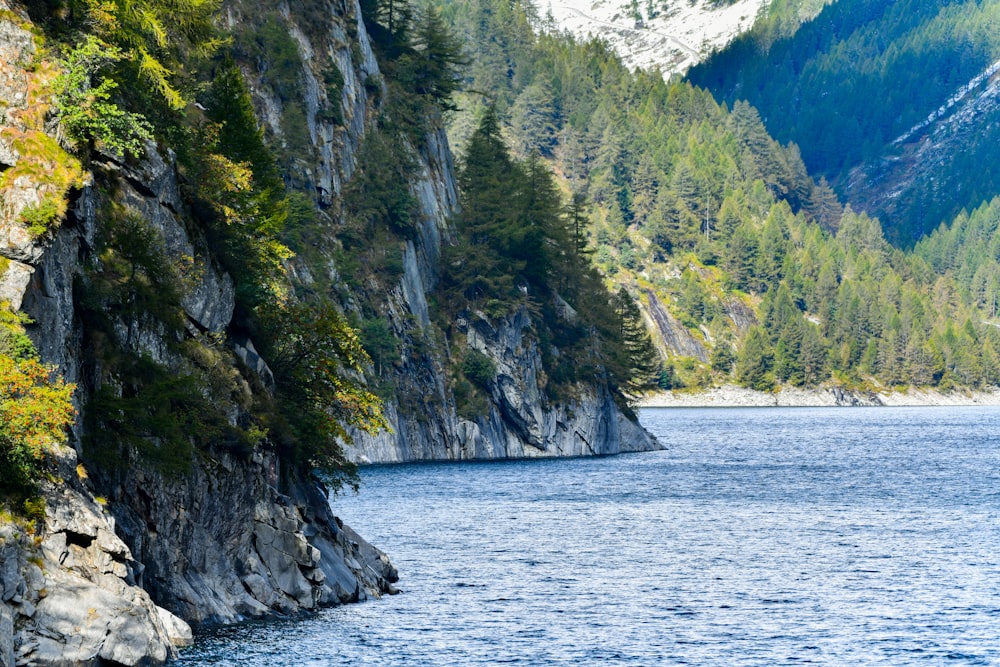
x,y
70,593
75,593
675,337
222,544
130,556
122,564
519,422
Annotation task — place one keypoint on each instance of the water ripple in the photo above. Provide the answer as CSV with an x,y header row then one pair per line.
x,y
759,537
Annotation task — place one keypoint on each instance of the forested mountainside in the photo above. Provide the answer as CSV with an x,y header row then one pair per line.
x,y
748,269
779,19
235,254
893,102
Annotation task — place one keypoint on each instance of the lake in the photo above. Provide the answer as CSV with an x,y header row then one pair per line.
x,y
774,536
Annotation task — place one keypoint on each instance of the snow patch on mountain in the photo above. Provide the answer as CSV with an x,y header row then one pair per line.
x,y
679,34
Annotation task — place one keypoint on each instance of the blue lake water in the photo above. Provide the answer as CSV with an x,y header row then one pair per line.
x,y
759,537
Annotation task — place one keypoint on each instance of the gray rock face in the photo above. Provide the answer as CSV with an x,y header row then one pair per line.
x,y
675,336
69,595
521,423
16,51
223,545
741,314
150,188
6,636
13,282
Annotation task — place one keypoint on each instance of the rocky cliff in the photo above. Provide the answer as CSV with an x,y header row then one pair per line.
x,y
424,421
518,421
135,545
233,536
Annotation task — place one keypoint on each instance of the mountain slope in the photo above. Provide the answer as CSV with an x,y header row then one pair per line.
x,y
673,37
669,36
880,96
749,270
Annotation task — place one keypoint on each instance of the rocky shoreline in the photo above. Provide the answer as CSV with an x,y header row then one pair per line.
x,y
732,396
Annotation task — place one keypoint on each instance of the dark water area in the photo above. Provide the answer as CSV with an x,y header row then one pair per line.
x,y
759,537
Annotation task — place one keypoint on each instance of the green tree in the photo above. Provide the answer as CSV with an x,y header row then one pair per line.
x,y
152,36
84,105
438,58
755,361
723,358
239,191
639,361
35,410
479,266
317,360
380,343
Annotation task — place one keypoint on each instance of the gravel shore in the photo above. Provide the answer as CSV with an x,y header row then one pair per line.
x,y
731,396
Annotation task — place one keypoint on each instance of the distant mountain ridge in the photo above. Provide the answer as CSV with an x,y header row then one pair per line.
x,y
675,36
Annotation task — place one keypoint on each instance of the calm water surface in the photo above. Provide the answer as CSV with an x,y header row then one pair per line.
x,y
759,537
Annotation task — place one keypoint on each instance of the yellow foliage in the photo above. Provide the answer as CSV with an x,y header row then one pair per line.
x,y
35,406
42,164
151,33
46,167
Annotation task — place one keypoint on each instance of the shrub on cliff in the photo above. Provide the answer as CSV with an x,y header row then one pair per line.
x,y
85,108
35,410
318,360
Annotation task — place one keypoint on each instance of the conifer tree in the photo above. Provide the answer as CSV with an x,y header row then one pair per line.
x,y
437,58
755,361
639,358
480,266
151,34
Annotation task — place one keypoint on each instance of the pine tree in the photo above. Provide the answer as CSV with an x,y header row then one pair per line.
x,y
478,266
438,58
755,361
640,362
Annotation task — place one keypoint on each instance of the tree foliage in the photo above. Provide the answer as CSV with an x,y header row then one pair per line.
x,y
35,410
240,194
318,360
153,37
85,107
421,58
815,87
517,247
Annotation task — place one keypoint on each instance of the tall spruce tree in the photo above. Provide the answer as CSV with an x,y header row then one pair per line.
x,y
638,355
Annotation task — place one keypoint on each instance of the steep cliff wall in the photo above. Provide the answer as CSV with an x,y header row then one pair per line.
x,y
519,421
132,552
229,537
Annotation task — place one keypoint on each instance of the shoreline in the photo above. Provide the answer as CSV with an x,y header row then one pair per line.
x,y
732,396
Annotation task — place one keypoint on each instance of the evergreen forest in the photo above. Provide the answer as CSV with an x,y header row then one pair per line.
x,y
892,102
749,269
